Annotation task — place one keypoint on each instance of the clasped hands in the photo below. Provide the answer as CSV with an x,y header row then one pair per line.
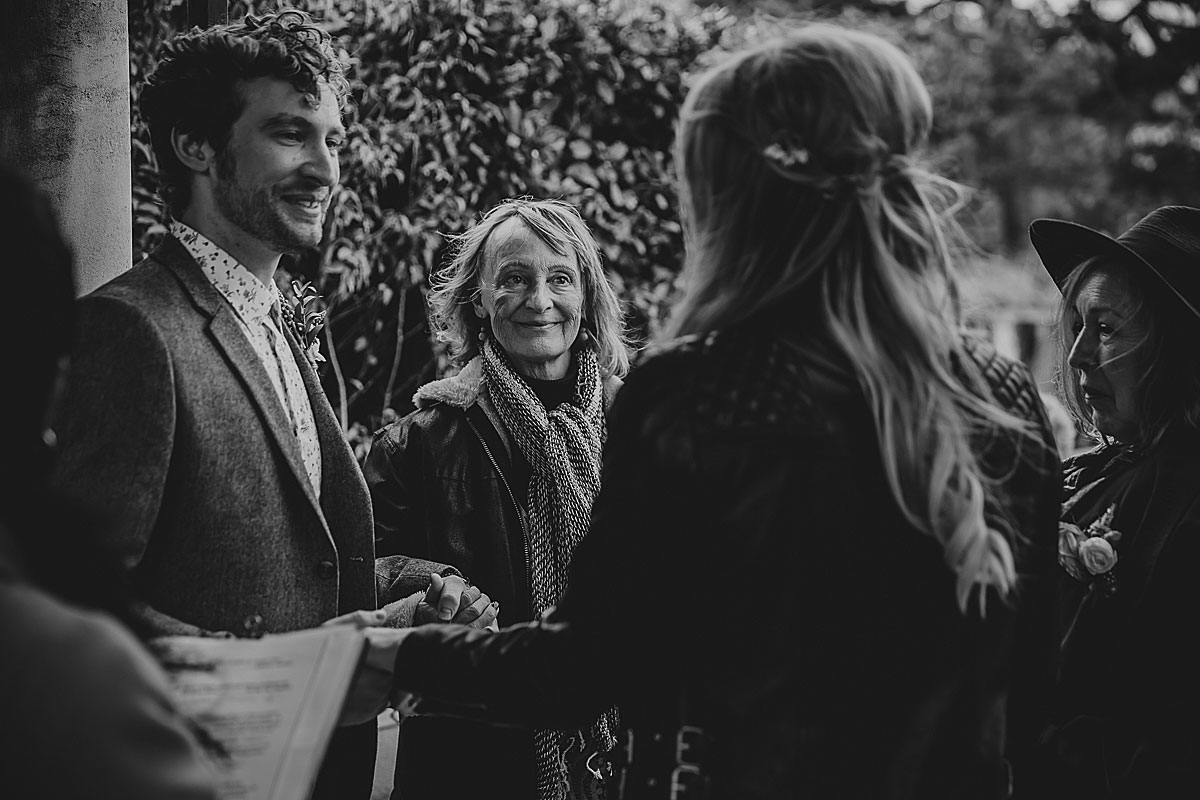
x,y
453,599
449,600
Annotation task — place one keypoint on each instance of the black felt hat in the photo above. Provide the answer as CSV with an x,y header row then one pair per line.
x,y
1164,243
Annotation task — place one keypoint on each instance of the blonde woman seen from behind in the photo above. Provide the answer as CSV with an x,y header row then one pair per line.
x,y
823,508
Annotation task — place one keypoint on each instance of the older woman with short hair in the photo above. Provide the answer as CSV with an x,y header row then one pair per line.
x,y
1123,718
496,470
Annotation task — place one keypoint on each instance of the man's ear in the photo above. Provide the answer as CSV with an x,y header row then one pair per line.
x,y
193,152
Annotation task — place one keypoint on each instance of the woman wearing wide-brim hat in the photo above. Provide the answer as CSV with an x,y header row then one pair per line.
x,y
1124,720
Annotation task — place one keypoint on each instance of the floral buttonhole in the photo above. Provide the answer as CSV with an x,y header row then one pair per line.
x,y
306,319
1090,554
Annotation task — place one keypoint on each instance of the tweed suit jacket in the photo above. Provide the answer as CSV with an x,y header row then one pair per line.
x,y
171,429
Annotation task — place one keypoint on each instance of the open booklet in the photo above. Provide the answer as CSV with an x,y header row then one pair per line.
x,y
271,704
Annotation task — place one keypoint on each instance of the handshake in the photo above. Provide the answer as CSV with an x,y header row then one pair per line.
x,y
448,600
451,599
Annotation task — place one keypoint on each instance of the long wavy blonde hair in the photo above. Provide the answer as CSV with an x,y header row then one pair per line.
x,y
800,194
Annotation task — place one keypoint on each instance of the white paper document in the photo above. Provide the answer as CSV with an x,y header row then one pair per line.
x,y
272,703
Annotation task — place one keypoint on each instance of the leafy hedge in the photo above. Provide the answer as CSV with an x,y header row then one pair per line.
x,y
458,104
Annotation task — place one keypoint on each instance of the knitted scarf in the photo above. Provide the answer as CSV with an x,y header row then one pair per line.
x,y
562,447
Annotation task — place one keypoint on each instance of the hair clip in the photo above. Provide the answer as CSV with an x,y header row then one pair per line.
x,y
786,158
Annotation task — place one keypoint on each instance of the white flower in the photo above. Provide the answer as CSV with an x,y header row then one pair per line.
x,y
1097,555
787,158
1090,553
314,352
1069,537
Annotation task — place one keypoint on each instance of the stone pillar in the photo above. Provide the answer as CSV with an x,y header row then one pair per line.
x,y
64,120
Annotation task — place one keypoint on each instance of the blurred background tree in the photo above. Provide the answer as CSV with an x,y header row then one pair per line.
x,y
1086,111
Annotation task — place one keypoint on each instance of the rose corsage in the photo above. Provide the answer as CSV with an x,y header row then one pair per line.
x,y
306,320
1090,554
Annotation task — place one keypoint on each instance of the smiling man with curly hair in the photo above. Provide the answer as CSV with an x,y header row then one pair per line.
x,y
193,419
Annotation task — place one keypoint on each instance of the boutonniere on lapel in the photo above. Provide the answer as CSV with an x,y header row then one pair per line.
x,y
306,320
1090,554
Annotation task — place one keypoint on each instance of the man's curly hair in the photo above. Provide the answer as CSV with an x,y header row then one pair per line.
x,y
195,87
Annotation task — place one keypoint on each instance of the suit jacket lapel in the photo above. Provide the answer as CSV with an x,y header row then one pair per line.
x,y
243,360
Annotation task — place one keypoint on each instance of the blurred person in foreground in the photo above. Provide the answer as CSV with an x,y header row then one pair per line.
x,y
87,710
1123,723
823,508
194,419
497,469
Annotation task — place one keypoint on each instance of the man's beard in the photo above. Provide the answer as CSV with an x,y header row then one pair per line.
x,y
257,211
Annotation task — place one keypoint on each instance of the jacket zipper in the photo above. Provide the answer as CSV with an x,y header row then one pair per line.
x,y
517,508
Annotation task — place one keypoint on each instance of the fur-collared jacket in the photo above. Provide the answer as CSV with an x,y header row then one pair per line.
x,y
442,488
443,483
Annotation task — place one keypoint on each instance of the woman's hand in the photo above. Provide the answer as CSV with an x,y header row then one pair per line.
x,y
452,599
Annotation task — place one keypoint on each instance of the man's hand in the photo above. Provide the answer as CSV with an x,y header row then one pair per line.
x,y
452,599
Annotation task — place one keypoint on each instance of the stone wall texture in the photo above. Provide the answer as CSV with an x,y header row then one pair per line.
x,y
64,120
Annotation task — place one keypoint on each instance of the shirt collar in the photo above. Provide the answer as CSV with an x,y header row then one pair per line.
x,y
250,297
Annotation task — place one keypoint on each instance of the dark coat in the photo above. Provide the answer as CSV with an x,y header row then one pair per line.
x,y
444,486
1123,723
749,574
172,431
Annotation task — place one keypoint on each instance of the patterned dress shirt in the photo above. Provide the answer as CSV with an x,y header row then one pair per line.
x,y
256,306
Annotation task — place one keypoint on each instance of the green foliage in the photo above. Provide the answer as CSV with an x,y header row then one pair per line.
x,y
151,22
1091,116
456,106
1011,93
